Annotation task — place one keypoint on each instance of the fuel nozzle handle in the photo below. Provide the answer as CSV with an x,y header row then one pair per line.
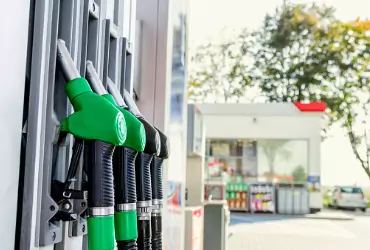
x,y
143,177
100,223
94,117
156,171
142,166
144,185
94,80
102,126
123,166
131,104
68,68
113,90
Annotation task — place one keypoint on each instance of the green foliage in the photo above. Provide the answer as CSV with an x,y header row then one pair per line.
x,y
300,53
220,72
299,174
290,62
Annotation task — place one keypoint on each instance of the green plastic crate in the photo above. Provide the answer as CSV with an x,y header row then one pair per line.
x,y
239,179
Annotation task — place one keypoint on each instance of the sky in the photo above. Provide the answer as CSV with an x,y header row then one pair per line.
x,y
213,20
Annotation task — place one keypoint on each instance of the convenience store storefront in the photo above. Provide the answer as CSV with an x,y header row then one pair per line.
x,y
252,146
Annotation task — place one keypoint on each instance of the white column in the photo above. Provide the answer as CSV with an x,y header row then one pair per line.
x,y
314,152
13,50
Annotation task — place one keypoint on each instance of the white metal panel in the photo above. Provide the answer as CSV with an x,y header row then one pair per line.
x,y
147,12
135,45
13,50
155,86
261,127
155,73
163,65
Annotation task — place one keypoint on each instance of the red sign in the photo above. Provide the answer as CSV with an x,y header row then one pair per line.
x,y
311,107
197,229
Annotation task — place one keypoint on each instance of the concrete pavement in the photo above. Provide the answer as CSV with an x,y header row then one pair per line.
x,y
277,233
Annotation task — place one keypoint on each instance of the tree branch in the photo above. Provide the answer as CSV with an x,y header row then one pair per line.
x,y
353,142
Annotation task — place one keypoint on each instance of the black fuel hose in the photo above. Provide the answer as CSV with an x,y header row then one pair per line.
x,y
156,169
125,190
144,185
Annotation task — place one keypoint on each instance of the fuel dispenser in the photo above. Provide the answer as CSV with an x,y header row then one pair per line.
x,y
126,229
96,177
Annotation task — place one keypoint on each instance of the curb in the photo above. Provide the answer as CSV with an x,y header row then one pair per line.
x,y
250,219
322,217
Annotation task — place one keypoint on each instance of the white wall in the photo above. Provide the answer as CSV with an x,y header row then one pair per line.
x,y
262,127
13,50
274,123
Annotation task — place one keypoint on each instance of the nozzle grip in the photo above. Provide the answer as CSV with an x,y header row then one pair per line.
x,y
127,245
98,160
156,171
124,175
143,179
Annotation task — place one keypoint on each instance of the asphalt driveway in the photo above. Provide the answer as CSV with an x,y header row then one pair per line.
x,y
273,232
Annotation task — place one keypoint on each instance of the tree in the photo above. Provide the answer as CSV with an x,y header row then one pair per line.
x,y
289,60
301,53
299,173
219,71
271,149
305,54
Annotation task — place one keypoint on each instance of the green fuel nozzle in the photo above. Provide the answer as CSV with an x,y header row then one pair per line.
x,y
94,117
136,134
102,127
124,157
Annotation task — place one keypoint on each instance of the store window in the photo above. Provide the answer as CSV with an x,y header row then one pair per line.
x,y
223,167
282,160
225,148
257,160
230,158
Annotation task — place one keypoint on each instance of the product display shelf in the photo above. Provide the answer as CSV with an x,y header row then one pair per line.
x,y
262,197
237,196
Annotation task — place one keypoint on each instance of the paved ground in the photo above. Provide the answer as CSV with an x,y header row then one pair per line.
x,y
282,233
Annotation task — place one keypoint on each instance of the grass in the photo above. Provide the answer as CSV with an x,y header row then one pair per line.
x,y
325,202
